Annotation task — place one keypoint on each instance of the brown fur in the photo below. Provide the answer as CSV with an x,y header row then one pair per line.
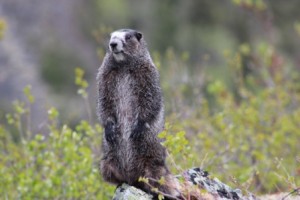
x,y
130,108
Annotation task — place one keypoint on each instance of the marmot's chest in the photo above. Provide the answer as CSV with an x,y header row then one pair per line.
x,y
125,103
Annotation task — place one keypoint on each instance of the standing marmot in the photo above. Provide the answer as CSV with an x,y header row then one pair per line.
x,y
130,108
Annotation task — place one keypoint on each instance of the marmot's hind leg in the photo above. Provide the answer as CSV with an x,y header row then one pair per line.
x,y
110,173
170,186
154,173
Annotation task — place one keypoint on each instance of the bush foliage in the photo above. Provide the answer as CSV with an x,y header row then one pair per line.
x,y
244,131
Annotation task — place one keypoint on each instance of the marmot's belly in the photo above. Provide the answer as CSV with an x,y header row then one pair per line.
x,y
125,102
125,122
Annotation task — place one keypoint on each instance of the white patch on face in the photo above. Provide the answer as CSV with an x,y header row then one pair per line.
x,y
117,38
118,34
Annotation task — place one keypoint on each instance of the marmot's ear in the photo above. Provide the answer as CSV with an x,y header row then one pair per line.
x,y
138,35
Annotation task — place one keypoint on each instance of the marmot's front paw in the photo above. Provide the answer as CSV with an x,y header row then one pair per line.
x,y
110,133
136,135
110,137
138,131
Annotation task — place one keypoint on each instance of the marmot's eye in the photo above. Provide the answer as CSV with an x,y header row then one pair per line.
x,y
127,37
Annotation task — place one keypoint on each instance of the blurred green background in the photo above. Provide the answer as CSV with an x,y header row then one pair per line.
x,y
229,71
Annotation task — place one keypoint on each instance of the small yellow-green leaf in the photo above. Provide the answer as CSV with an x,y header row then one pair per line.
x,y
161,197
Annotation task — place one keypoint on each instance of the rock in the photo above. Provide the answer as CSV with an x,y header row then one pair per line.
x,y
199,177
215,188
127,192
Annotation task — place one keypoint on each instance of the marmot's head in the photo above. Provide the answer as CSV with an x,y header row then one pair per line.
x,y
125,44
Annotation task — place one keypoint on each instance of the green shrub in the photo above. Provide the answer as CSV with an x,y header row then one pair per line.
x,y
61,164
245,130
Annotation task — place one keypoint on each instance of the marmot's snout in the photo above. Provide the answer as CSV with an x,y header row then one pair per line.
x,y
116,45
113,45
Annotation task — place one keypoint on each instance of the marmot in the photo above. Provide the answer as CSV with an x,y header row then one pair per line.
x,y
130,108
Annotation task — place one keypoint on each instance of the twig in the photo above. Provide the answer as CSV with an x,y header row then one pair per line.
x,y
292,192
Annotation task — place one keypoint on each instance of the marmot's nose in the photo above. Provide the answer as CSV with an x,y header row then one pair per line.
x,y
113,45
